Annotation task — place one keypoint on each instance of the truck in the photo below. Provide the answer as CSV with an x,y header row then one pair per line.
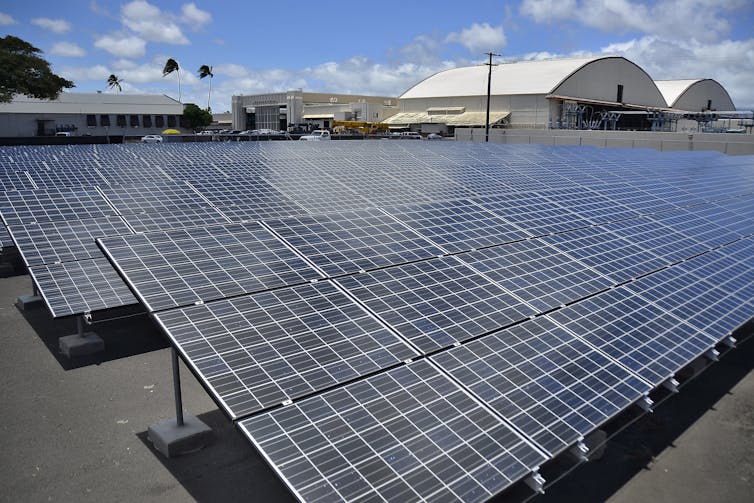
x,y
316,135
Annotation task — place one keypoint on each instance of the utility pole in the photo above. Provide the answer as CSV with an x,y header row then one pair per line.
x,y
489,87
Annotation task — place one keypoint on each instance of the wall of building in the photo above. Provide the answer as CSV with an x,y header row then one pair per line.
x,y
732,144
697,96
24,124
599,81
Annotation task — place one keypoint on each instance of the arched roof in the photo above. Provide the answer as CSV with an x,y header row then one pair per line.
x,y
692,94
523,77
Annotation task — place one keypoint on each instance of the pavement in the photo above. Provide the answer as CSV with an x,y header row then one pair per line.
x,y
75,430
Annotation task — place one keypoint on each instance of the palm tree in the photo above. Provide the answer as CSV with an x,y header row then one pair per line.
x,y
206,71
171,66
114,81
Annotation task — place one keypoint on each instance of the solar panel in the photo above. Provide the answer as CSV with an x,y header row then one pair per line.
x,y
79,287
185,266
457,225
348,242
539,274
160,198
533,213
46,205
64,240
589,204
68,176
615,257
552,386
247,199
436,303
259,350
176,218
637,333
409,434
11,179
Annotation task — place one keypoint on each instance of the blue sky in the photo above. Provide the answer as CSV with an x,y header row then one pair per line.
x,y
372,47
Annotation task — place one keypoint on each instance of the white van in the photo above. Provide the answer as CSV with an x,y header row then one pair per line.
x,y
317,135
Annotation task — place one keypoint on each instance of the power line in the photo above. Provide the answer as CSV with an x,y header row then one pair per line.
x,y
489,86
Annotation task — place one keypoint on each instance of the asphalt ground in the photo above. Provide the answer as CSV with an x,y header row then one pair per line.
x,y
75,430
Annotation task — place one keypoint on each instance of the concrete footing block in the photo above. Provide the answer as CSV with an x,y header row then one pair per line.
x,y
173,440
84,344
26,302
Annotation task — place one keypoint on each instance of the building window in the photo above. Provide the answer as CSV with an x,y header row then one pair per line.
x,y
159,121
171,120
121,121
146,120
91,120
619,99
134,121
104,120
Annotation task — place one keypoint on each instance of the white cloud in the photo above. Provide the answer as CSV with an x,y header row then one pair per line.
x,y
480,38
67,49
6,19
230,70
151,24
697,19
730,62
121,45
83,73
58,26
548,11
194,17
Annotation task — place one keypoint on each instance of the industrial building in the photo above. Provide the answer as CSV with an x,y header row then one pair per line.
x,y
279,111
578,93
90,114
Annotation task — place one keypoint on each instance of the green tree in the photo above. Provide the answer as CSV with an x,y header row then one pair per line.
x,y
195,118
206,71
171,66
114,82
25,72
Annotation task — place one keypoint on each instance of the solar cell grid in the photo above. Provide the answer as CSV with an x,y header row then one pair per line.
x,y
539,274
181,267
607,253
686,222
533,213
662,240
81,286
436,303
45,205
404,435
155,198
590,205
344,243
249,198
68,176
551,385
14,179
635,332
175,218
65,240
457,225
259,350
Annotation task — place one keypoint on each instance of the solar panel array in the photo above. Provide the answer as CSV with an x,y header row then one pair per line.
x,y
404,320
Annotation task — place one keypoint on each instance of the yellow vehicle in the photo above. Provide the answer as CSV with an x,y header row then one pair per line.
x,y
358,127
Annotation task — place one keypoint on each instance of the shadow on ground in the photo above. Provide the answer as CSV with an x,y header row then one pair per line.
x,y
124,337
227,470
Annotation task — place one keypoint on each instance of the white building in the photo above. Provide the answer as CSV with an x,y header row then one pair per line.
x,y
90,113
535,94
697,95
278,111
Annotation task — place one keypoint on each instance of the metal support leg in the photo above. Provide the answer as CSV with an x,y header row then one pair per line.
x,y
177,388
35,289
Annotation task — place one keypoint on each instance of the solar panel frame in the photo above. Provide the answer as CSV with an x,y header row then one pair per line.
x,y
82,286
554,387
181,267
259,350
432,441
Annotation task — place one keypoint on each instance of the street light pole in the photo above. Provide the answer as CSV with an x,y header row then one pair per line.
x,y
489,87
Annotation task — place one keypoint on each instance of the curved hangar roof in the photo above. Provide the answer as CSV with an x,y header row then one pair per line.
x,y
695,95
588,78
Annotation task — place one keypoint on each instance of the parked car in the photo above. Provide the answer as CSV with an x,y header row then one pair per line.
x,y
317,135
410,135
151,138
434,136
63,133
